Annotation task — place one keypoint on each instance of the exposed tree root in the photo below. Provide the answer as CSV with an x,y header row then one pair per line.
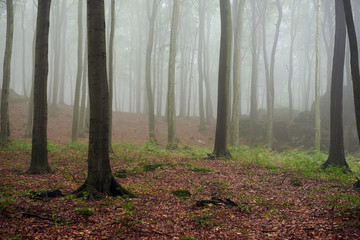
x,y
91,192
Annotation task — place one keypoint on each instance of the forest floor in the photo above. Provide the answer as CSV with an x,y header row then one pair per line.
x,y
258,194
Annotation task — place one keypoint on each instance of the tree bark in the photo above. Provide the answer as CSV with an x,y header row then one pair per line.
x,y
354,60
149,49
336,150
271,93
99,181
111,70
200,55
236,108
223,107
317,79
75,122
171,110
39,155
5,125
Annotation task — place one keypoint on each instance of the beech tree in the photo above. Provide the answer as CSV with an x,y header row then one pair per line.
x,y
100,179
223,107
354,60
75,122
235,118
5,126
336,151
171,110
150,98
39,154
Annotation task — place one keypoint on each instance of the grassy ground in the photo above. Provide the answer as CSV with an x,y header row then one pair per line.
x,y
278,195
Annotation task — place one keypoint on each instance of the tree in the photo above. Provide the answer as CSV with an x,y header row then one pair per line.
x,y
238,10
270,90
254,70
293,31
75,123
111,70
5,125
317,80
336,151
149,49
39,155
354,60
200,56
171,111
223,107
99,180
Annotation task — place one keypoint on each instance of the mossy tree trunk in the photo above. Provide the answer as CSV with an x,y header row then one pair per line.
x,y
5,125
336,150
223,106
99,180
39,154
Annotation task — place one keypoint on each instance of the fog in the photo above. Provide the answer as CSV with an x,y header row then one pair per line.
x,y
130,41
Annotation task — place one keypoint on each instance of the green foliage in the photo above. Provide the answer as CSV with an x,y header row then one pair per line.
x,y
85,211
204,219
17,145
189,238
152,167
295,181
182,193
344,203
200,169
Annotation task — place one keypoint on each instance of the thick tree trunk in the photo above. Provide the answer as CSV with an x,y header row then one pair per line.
x,y
223,106
336,151
39,157
171,110
99,180
354,60
5,125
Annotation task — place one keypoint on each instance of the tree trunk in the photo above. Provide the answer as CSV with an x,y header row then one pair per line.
x,y
223,107
336,151
354,60
202,126
271,98
75,122
39,157
236,111
5,125
149,49
171,110
317,80
99,180
254,71
111,70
